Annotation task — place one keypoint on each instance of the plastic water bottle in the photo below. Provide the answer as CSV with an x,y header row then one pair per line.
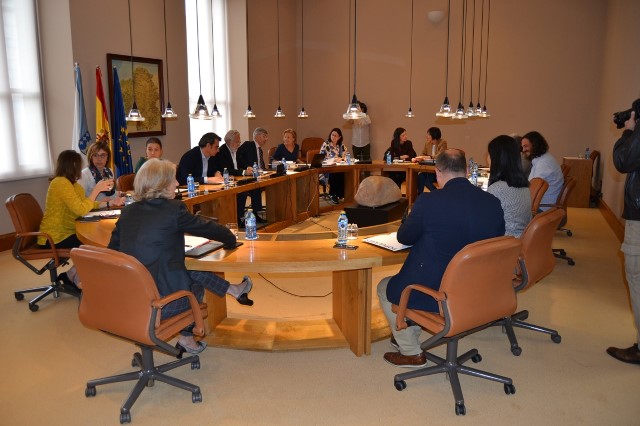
x,y
587,153
474,174
343,223
284,164
191,186
225,178
251,233
255,170
128,200
348,159
388,157
470,167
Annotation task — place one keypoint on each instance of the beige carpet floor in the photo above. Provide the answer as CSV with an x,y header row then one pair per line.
x,y
49,355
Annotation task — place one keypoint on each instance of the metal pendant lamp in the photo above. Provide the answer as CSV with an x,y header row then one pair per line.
x,y
484,113
249,112
214,112
279,113
410,113
168,111
460,113
471,111
354,112
134,113
445,108
302,113
200,112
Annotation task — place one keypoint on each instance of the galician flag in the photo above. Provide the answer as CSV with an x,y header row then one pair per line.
x,y
81,137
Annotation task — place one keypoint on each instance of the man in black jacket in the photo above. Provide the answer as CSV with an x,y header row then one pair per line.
x,y
250,153
626,158
199,161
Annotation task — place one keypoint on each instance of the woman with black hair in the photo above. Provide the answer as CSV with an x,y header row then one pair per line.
x,y
402,149
509,184
333,148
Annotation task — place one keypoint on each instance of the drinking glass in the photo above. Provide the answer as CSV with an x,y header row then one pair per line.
x,y
233,227
352,231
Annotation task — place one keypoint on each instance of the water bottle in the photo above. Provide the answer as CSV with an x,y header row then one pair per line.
x,y
348,159
255,170
250,230
587,153
343,223
191,186
225,177
474,174
128,200
284,164
470,167
388,157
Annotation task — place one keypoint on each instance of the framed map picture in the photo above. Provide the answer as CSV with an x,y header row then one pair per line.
x,y
149,93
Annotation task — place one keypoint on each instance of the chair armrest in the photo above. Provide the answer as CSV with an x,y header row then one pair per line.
x,y
52,250
521,277
193,303
439,296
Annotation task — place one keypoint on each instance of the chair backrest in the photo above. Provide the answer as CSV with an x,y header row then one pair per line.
x,y
308,144
595,170
310,155
117,293
565,170
478,283
537,187
270,153
536,245
125,182
26,215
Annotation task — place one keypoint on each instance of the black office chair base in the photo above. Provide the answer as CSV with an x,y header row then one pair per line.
x,y
452,366
146,377
518,320
561,254
55,288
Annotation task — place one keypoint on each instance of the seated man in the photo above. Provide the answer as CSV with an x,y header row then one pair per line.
x,y
250,153
199,162
440,224
543,165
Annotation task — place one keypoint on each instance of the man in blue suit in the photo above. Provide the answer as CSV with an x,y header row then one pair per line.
x,y
440,224
199,161
250,153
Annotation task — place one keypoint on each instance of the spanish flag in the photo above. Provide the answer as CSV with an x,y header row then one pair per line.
x,y
103,132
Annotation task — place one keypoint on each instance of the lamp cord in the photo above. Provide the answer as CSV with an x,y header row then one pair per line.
x,y
198,41
247,37
446,77
411,57
278,24
481,50
355,46
213,55
349,57
486,64
463,49
473,44
166,51
133,80
302,51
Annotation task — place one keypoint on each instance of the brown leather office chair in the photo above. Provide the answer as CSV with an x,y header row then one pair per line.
x,y
125,182
476,290
309,144
309,157
561,203
270,153
537,187
565,170
536,262
120,297
26,216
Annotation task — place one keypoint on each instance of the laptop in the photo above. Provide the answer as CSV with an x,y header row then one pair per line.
x,y
364,159
316,161
429,162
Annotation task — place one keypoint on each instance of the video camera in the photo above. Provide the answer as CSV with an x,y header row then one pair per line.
x,y
620,117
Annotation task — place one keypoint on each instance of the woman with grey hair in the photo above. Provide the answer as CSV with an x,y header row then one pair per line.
x,y
152,230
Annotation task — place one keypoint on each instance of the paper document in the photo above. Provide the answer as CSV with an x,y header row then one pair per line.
x,y
191,241
386,241
103,214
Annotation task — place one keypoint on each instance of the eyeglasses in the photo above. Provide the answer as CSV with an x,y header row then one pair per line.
x,y
103,155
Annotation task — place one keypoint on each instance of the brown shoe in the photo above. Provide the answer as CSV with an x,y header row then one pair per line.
x,y
406,361
630,355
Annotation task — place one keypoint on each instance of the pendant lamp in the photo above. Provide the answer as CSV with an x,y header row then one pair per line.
x,y
279,113
214,112
484,113
445,108
134,113
460,113
168,111
409,113
200,112
354,112
249,112
302,113
471,111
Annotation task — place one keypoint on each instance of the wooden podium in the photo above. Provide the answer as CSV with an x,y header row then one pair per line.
x,y
581,170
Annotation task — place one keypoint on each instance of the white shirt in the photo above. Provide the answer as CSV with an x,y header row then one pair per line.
x,y
547,168
360,132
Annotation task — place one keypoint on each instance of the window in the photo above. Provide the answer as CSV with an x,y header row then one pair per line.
x,y
23,133
206,78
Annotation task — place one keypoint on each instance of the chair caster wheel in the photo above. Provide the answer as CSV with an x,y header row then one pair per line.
x,y
90,391
33,307
476,358
509,389
125,418
517,350
571,262
195,365
556,338
196,397
18,296
569,234
400,385
460,410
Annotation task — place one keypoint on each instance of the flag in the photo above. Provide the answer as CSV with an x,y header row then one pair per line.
x,y
102,120
120,148
81,136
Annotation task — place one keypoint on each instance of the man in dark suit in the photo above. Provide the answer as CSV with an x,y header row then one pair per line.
x,y
199,161
440,224
248,154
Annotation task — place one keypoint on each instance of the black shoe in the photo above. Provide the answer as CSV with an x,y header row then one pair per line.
x,y
629,355
201,347
243,299
69,286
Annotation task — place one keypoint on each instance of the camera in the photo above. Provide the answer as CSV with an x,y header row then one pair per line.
x,y
620,117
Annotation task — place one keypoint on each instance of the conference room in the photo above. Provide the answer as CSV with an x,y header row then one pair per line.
x,y
549,66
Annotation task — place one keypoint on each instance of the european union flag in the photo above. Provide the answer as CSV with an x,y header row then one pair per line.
x,y
81,136
121,149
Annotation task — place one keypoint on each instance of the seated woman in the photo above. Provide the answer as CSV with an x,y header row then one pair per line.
x,y
66,201
153,150
99,155
433,146
288,149
333,148
509,184
152,230
401,149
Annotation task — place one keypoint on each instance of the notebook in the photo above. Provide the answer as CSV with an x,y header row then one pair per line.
x,y
387,241
199,246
